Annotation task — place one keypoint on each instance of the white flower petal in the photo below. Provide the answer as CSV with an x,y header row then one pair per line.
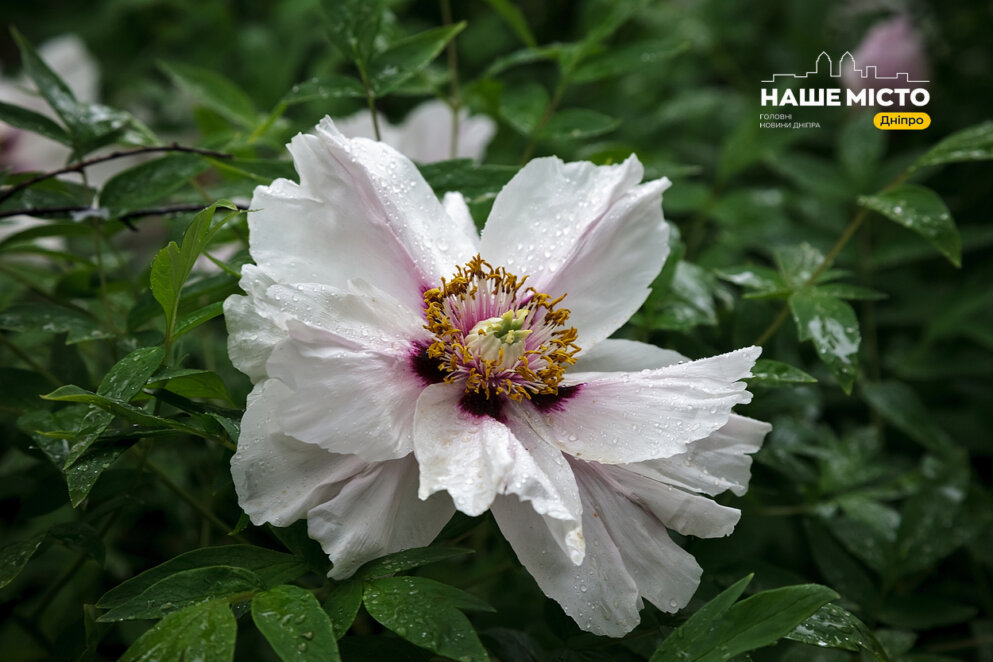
x,y
619,418
587,231
458,211
666,574
547,197
361,210
712,465
346,398
598,594
251,335
426,133
689,514
475,457
277,478
619,355
377,512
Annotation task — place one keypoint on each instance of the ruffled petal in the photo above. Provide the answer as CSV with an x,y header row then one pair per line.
x,y
665,574
714,464
619,355
618,418
375,513
584,230
251,334
361,196
347,398
277,478
599,594
475,457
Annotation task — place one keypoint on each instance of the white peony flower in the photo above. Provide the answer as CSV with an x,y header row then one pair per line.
x,y
425,135
405,366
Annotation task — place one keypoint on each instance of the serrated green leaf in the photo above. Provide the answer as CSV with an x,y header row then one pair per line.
x,y
922,210
183,589
204,631
831,325
343,605
14,556
272,567
776,373
391,68
407,559
214,91
50,318
972,144
689,641
426,613
28,120
578,124
292,621
834,627
149,182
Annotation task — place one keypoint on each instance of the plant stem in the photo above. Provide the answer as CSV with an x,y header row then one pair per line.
x,y
454,101
370,99
138,213
197,506
547,115
79,166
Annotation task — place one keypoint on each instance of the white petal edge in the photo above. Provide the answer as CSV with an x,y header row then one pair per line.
x,y
375,513
620,418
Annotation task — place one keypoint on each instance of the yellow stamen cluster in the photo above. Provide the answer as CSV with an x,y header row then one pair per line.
x,y
480,291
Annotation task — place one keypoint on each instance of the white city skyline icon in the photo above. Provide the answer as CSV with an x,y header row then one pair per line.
x,y
846,60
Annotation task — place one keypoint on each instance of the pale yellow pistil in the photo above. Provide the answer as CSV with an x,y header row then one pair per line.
x,y
500,339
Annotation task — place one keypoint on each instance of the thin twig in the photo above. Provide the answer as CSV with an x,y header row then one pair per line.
x,y
453,69
139,213
545,117
80,165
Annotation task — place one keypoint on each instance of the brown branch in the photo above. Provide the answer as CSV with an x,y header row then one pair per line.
x,y
81,165
138,213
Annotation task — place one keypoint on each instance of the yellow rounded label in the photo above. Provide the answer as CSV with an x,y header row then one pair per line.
x,y
901,121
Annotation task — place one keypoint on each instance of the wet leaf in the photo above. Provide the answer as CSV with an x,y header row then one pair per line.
x,y
835,627
776,373
214,91
293,623
407,559
391,68
972,144
343,604
922,210
199,632
831,325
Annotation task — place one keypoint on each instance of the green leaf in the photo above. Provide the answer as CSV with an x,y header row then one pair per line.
x,y
513,17
389,69
860,149
764,283
194,319
426,613
330,86
343,604
272,567
22,118
293,623
619,61
689,301
578,124
923,211
523,106
14,556
722,633
798,263
689,640
407,559
50,318
900,407
149,182
204,631
195,384
776,373
842,572
525,56
47,230
183,589
21,390
79,536
84,473
353,26
72,393
832,326
474,182
173,264
214,91
972,144
847,291
835,627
